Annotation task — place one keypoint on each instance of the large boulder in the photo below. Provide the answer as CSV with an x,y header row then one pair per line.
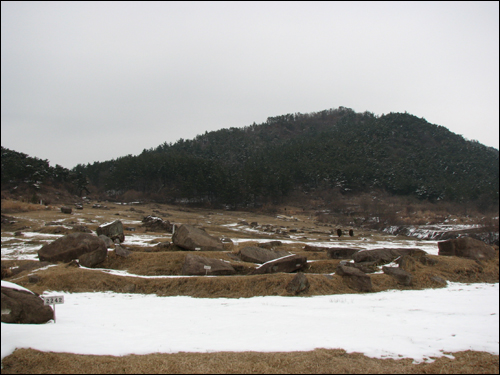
x,y
402,276
260,255
466,247
72,246
188,237
24,306
113,230
384,256
356,278
156,224
289,263
195,265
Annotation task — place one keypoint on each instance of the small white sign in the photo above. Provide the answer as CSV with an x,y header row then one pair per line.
x,y
207,267
197,248
52,300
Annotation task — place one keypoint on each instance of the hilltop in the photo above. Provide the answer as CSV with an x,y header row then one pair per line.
x,y
326,156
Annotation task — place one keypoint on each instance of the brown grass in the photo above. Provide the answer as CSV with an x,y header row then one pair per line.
x,y
322,282
11,206
319,361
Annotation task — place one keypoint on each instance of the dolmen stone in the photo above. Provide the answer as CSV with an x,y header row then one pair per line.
x,y
23,306
402,276
466,247
188,237
256,254
357,279
195,265
113,230
156,224
289,263
384,255
74,246
298,284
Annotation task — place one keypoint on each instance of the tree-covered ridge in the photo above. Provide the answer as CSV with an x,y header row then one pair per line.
x,y
332,149
20,168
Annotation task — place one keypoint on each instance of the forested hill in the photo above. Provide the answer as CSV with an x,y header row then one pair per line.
x,y
337,148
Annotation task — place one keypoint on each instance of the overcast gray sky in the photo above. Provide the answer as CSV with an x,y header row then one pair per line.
x,y
93,81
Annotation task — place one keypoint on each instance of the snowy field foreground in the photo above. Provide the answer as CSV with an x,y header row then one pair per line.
x,y
416,324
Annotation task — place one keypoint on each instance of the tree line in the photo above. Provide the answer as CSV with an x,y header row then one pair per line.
x,y
332,149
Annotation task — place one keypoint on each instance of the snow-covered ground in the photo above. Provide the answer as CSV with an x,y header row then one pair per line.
x,y
392,324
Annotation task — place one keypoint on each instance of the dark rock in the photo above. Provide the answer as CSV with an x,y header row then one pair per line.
x,y
466,247
121,251
92,259
366,267
71,246
188,237
259,255
20,306
66,210
341,253
288,263
356,279
384,256
113,230
298,284
402,276
339,232
107,241
195,265
156,224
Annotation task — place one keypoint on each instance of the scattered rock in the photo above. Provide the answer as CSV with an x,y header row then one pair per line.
x,y
156,224
66,210
121,251
259,255
466,247
25,307
71,246
357,279
188,237
298,284
93,258
288,263
403,277
384,256
195,265
107,241
113,230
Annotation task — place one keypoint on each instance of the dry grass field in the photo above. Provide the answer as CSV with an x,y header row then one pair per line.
x,y
147,259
